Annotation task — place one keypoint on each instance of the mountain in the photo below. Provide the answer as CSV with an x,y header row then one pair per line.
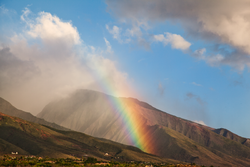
x,y
7,108
27,138
101,115
230,135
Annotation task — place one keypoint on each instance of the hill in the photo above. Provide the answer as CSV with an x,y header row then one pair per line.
x,y
230,135
7,108
27,138
103,116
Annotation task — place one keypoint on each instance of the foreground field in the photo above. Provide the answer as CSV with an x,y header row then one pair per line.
x,y
90,161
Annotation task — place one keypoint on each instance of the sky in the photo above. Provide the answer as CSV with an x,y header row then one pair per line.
x,y
188,58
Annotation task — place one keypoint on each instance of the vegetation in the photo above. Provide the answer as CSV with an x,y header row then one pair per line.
x,y
84,161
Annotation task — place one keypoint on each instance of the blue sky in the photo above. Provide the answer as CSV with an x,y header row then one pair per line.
x,y
189,59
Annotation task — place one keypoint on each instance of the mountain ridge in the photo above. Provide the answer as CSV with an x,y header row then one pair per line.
x,y
9,109
92,114
230,135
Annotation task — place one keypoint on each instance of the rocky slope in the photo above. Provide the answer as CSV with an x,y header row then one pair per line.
x,y
230,135
27,138
93,113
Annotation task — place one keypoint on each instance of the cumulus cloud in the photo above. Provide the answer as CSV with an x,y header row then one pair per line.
x,y
49,60
176,41
50,27
224,22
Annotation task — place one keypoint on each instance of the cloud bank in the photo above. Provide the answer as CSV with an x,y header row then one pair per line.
x,y
226,23
49,60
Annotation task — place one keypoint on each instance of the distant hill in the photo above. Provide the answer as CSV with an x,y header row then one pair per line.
x,y
230,135
27,138
7,108
92,113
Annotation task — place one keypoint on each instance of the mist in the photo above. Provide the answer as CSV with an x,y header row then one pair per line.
x,y
48,59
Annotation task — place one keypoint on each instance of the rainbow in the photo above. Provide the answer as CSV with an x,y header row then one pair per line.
x,y
139,134
135,126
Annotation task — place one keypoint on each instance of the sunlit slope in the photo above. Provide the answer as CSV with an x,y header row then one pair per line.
x,y
172,137
17,135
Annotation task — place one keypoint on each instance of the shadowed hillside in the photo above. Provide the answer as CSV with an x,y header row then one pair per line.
x,y
17,135
92,112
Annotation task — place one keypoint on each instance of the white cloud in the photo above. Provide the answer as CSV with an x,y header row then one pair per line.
x,y
133,33
224,22
200,122
25,14
176,41
48,27
115,31
109,48
130,34
48,60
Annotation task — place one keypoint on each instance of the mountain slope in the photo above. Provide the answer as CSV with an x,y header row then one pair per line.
x,y
230,135
7,108
172,137
28,138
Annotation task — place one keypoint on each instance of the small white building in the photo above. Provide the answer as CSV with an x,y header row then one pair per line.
x,y
14,152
